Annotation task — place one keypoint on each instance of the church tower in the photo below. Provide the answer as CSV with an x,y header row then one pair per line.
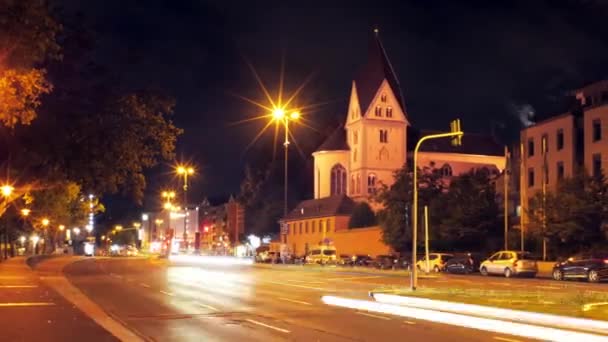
x,y
376,124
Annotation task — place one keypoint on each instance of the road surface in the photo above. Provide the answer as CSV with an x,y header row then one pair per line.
x,y
164,302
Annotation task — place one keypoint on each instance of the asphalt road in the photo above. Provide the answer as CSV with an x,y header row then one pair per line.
x,y
164,302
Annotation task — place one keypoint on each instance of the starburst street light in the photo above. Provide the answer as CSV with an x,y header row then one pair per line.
x,y
25,212
45,222
7,190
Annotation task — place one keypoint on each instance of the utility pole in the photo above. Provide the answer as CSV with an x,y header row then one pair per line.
x,y
426,237
545,181
506,200
522,195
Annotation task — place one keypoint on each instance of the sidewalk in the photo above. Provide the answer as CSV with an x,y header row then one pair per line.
x,y
31,311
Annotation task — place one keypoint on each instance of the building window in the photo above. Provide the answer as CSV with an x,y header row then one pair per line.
x,y
300,228
355,156
383,136
544,142
378,111
530,147
446,170
383,97
355,137
546,174
389,112
597,130
597,165
338,180
530,178
327,226
306,227
371,184
313,227
560,170
560,139
352,184
358,184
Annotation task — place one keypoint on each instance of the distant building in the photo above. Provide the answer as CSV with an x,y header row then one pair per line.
x,y
221,226
376,140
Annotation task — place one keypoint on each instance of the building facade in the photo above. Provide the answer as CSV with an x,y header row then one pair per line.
x,y
376,139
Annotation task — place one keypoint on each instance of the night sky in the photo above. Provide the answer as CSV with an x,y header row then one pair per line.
x,y
481,61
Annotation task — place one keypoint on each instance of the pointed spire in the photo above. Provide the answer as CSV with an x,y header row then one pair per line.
x,y
371,75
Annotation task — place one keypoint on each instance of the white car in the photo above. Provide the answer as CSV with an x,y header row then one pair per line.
x,y
509,263
436,262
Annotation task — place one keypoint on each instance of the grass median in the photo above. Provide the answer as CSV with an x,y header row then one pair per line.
x,y
571,302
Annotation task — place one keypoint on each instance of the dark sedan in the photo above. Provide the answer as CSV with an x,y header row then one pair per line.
x,y
590,266
384,262
464,264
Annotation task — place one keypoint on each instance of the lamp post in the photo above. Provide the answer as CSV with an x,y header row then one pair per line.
x,y
455,134
185,171
6,191
280,116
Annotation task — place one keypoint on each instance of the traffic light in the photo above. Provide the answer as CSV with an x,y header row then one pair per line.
x,y
454,128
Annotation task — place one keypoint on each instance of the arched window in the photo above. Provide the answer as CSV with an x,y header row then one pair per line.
x,y
355,156
352,184
378,111
446,170
338,180
383,97
358,190
389,112
371,183
383,154
355,137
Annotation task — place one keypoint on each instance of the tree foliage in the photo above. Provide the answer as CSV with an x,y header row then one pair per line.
x,y
263,201
362,216
28,37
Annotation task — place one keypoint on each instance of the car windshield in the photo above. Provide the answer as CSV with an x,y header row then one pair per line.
x,y
525,256
329,252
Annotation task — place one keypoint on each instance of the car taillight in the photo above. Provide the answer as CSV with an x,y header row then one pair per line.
x,y
515,263
605,261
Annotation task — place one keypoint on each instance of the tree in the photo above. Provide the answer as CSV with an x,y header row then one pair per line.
x,y
262,200
396,200
468,213
362,216
575,213
28,38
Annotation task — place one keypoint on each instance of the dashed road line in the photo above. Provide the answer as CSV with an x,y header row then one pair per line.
x,y
374,316
208,307
18,286
294,301
268,326
144,285
548,287
354,278
167,293
301,286
505,339
116,275
409,322
27,304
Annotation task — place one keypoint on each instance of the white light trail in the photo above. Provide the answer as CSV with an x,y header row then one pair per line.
x,y
211,260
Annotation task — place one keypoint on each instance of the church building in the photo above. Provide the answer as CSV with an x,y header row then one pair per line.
x,y
376,139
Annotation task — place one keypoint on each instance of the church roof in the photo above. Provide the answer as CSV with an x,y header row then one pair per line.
x,y
370,76
337,205
472,143
336,141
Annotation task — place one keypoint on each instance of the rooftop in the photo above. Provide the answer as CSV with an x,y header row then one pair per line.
x,y
336,141
337,205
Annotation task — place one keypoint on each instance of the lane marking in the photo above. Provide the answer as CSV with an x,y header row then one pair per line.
x,y
167,293
27,304
409,322
115,275
144,285
306,281
353,278
268,326
590,306
301,286
18,286
372,315
505,339
208,306
294,301
549,287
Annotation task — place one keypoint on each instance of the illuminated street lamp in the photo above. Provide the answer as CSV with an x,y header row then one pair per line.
x,y
61,227
45,222
279,115
76,231
22,239
7,190
25,212
118,228
185,171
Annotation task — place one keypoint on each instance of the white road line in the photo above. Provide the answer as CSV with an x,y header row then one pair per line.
x,y
294,301
374,316
306,281
409,322
353,278
26,304
144,285
549,287
505,339
167,293
208,307
18,286
268,326
115,275
301,286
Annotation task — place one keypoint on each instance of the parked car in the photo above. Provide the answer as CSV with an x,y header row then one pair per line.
x,y
322,255
384,262
436,262
403,262
590,266
361,260
345,259
510,263
466,263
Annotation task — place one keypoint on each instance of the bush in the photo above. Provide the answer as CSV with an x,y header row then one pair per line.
x,y
362,216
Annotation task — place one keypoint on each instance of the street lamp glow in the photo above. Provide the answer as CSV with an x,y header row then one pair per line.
x,y
294,115
136,224
45,222
22,239
35,239
61,227
76,231
118,227
278,113
7,190
25,212
168,205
